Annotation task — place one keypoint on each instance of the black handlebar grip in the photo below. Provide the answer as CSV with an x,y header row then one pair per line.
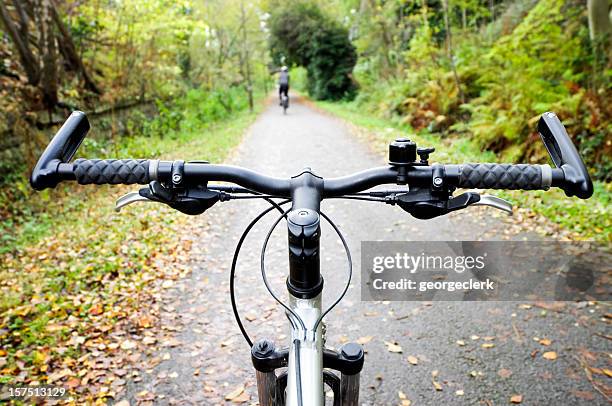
x,y
502,176
112,171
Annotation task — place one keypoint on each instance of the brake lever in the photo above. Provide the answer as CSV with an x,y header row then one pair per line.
x,y
128,199
496,202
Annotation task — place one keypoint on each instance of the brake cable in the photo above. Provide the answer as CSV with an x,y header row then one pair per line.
x,y
348,282
235,262
350,270
263,270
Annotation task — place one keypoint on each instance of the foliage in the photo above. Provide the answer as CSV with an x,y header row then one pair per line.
x,y
23,209
514,62
68,290
139,53
302,35
585,219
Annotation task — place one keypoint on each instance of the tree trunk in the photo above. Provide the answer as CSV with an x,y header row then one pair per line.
x,y
245,48
600,30
599,19
30,63
48,49
71,54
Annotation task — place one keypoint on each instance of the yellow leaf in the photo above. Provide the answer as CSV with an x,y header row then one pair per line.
x,y
235,393
545,341
550,355
364,340
516,398
393,347
488,345
128,345
413,360
460,343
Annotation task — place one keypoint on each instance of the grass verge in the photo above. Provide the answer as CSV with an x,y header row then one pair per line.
x,y
587,219
76,272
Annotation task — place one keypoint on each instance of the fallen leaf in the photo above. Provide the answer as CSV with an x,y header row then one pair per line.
x,y
584,394
488,345
172,342
145,321
96,309
545,341
128,345
364,340
123,402
413,360
73,383
460,343
436,384
149,340
235,393
504,373
460,392
516,399
393,347
550,355
474,337
401,395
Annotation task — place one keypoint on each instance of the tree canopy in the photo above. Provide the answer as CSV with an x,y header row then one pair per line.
x,y
301,34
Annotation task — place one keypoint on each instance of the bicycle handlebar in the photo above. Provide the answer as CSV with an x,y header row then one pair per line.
x,y
570,174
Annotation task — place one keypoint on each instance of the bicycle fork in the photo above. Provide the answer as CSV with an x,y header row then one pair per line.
x,y
269,363
307,362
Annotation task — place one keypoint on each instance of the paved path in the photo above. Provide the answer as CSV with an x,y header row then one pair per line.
x,y
209,360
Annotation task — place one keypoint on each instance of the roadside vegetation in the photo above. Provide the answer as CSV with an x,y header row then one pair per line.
x,y
472,78
157,79
588,219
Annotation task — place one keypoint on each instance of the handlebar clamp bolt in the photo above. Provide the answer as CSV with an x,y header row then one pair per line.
x,y
176,178
437,182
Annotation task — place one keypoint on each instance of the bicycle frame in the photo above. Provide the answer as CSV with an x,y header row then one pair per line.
x,y
307,352
306,357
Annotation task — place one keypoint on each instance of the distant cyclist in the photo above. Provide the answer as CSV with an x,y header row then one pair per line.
x,y
283,84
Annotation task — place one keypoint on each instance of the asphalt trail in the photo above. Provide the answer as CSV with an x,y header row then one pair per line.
x,y
209,359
